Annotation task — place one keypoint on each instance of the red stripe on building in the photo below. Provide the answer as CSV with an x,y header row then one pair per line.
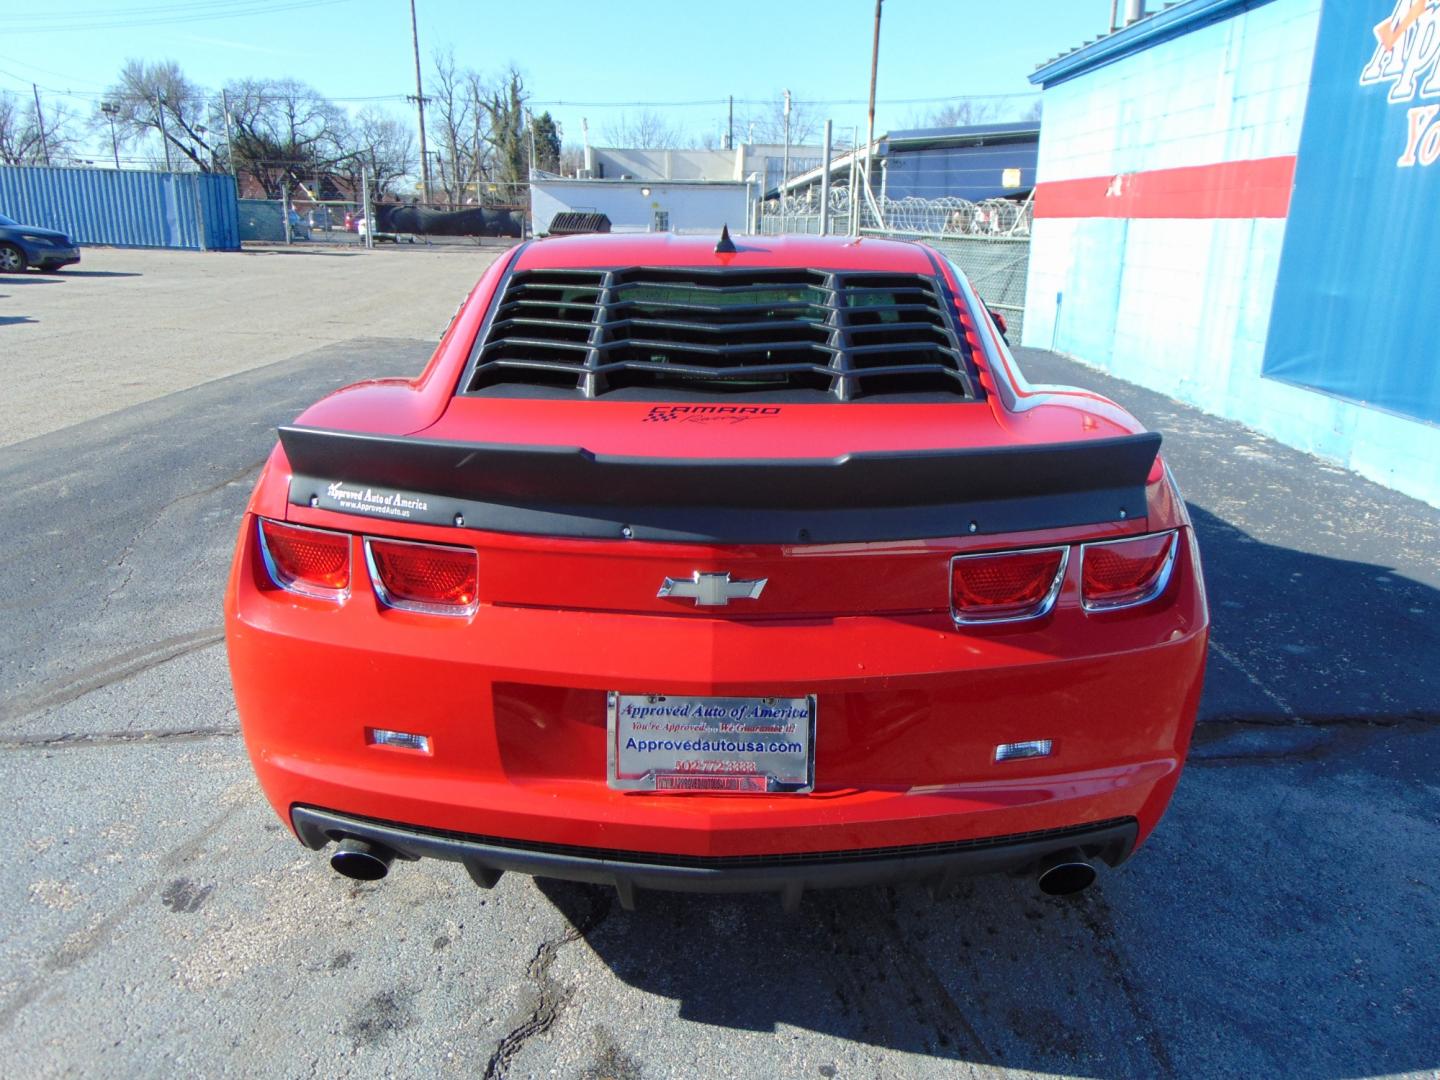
x,y
1229,189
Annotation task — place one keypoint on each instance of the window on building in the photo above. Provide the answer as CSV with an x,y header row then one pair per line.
x,y
661,222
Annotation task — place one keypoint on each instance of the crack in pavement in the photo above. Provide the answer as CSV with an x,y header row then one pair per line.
x,y
106,672
1095,913
110,738
1242,740
551,997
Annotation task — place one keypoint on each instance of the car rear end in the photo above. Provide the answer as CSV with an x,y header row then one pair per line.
x,y
696,570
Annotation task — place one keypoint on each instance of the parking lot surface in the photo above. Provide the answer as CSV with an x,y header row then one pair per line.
x,y
1284,920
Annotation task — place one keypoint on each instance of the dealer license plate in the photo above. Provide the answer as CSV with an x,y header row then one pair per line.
x,y
661,742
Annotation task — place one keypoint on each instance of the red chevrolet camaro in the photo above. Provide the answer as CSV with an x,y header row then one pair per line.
x,y
745,565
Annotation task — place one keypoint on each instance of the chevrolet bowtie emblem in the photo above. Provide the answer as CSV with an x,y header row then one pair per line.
x,y
712,590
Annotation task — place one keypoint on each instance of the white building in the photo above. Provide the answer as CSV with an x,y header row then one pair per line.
x,y
668,190
679,206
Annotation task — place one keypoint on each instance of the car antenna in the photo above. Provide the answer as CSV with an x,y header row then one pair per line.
x,y
725,246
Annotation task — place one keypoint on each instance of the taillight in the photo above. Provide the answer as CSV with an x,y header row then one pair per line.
x,y
1123,573
1006,586
432,578
313,562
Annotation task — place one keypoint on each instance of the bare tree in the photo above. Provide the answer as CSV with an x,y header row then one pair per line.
x,y
384,146
452,122
285,132
158,104
21,140
572,159
768,124
646,131
971,111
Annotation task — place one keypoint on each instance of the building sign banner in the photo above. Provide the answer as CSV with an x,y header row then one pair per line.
x,y
1350,315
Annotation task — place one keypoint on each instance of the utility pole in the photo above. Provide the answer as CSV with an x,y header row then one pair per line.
x,y
229,141
40,120
164,135
785,163
730,126
825,184
874,68
109,108
420,104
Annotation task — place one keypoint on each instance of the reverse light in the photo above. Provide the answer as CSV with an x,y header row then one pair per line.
x,y
1006,586
1124,573
1019,751
433,578
399,740
312,562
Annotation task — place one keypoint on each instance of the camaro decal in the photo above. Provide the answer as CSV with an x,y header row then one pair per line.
x,y
708,414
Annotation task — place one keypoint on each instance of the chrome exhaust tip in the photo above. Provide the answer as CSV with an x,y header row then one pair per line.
x,y
1065,873
361,860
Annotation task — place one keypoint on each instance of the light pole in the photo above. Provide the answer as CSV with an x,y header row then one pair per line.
x,y
111,110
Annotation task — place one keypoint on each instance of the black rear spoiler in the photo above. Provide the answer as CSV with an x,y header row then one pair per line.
x,y
570,491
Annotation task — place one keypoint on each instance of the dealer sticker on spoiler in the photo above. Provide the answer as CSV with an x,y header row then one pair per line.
x,y
660,742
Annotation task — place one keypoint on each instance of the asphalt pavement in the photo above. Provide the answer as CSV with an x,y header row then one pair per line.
x,y
1284,920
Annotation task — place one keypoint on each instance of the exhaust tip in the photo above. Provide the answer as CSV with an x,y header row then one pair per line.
x,y
1065,873
361,860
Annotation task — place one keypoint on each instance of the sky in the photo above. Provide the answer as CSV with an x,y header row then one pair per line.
x,y
580,57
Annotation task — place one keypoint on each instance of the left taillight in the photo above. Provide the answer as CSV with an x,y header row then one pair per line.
x,y
312,562
434,578
1006,586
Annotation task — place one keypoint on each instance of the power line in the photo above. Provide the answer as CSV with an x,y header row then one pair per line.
x,y
184,14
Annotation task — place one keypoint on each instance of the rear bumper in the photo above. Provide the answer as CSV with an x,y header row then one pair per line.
x,y
910,711
789,875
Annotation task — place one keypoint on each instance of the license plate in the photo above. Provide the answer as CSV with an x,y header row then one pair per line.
x,y
661,742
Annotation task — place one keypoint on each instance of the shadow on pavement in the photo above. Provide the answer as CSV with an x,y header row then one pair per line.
x,y
26,279
1281,920
10,320
68,273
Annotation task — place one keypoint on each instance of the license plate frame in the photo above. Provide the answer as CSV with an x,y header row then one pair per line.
x,y
728,729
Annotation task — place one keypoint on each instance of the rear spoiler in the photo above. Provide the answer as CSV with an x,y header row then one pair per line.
x,y
570,491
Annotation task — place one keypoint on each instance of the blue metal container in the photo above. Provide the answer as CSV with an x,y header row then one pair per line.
x,y
123,207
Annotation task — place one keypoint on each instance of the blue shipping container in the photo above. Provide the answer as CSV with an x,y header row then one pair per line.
x,y
124,207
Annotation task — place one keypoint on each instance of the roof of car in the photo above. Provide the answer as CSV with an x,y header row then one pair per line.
x,y
667,249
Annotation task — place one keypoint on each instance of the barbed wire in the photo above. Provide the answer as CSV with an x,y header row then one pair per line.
x,y
947,215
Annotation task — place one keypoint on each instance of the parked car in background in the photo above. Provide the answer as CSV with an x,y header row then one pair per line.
x,y
719,566
299,230
362,227
30,245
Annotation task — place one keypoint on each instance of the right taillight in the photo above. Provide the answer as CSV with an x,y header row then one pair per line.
x,y
312,562
434,578
1006,586
1123,573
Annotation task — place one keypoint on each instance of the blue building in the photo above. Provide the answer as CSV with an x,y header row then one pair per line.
x,y
1236,206
982,161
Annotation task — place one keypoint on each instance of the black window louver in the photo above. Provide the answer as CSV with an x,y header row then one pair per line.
x,y
842,335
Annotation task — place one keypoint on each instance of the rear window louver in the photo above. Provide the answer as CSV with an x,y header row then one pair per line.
x,y
845,335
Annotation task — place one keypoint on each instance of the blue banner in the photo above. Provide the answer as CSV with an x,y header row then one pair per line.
x,y
1353,313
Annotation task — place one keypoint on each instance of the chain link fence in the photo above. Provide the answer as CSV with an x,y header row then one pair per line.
x,y
988,240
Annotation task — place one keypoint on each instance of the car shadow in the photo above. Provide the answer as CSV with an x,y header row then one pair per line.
x,y
26,279
1280,921
68,273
